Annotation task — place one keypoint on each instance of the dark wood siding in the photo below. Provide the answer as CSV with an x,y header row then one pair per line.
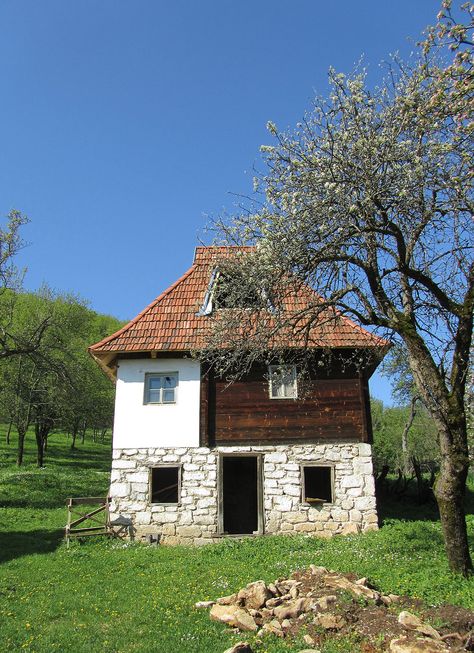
x,y
244,412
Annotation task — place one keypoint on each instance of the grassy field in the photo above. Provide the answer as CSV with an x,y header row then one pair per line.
x,y
113,596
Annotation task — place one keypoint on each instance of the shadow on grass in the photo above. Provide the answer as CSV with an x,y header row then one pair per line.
x,y
407,507
20,543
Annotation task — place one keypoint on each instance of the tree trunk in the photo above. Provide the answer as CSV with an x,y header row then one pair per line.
x,y
449,491
41,434
9,431
21,446
74,435
39,447
408,425
447,410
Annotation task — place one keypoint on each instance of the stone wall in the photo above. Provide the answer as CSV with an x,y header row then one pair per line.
x,y
195,519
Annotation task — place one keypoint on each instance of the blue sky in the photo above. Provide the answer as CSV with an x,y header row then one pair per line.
x,y
125,126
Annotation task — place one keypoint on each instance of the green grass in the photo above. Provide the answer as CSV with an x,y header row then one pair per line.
x,y
114,597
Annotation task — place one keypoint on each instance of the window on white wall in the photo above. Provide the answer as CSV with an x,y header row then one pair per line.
x,y
283,381
161,388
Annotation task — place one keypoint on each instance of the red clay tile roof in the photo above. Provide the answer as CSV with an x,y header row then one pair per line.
x,y
171,323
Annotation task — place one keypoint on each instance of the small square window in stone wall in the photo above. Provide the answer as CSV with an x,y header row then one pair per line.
x,y
165,484
318,484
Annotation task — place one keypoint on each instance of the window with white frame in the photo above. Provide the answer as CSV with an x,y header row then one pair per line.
x,y
282,380
161,388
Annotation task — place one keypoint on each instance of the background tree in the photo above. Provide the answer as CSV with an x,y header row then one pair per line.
x,y
56,385
370,202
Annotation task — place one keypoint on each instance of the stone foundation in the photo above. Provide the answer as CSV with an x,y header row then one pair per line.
x,y
195,519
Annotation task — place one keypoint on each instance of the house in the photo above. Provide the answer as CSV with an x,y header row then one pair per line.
x,y
196,458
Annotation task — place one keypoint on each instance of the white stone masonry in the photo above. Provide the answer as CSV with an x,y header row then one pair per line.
x,y
195,519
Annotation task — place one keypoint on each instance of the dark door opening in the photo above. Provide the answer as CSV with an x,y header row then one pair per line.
x,y
240,494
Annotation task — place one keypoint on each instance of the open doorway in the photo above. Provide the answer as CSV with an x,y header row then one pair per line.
x,y
240,495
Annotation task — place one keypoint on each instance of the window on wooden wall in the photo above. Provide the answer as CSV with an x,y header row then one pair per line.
x,y
161,388
165,484
318,484
282,381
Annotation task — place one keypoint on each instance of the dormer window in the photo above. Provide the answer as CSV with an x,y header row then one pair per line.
x,y
282,382
233,291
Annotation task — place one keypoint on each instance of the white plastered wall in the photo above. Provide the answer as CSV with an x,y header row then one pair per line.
x,y
138,425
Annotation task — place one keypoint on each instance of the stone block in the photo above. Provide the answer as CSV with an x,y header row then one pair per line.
x,y
352,481
142,518
139,487
165,517
168,529
189,531
285,504
296,517
307,527
350,529
364,503
355,516
369,485
201,492
279,457
170,458
119,490
270,483
124,464
354,492
292,490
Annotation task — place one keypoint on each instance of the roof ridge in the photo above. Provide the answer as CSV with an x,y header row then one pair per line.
x,y
151,305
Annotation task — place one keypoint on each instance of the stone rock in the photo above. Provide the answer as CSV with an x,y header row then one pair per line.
x,y
273,589
273,603
267,613
293,609
242,595
286,623
404,645
274,627
308,640
350,529
330,621
412,622
294,592
240,647
318,571
227,600
341,582
257,594
204,604
325,602
232,615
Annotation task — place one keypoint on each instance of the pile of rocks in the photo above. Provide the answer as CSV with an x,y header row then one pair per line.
x,y
319,598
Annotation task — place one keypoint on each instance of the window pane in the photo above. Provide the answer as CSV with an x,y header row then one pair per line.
x,y
169,382
168,396
154,382
290,390
154,396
